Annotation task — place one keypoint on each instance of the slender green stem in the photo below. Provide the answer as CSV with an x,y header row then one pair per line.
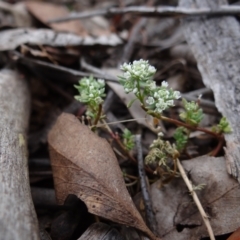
x,y
117,139
98,114
140,97
178,123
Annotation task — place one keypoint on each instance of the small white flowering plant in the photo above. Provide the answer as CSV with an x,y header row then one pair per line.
x,y
91,92
138,78
155,99
163,156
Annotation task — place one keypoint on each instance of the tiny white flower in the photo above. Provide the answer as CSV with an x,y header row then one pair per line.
x,y
150,100
127,75
160,103
136,72
91,95
102,81
177,94
135,90
127,90
152,85
160,134
155,94
151,69
164,84
163,93
170,103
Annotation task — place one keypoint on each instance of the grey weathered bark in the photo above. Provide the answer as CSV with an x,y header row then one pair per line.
x,y
215,45
18,219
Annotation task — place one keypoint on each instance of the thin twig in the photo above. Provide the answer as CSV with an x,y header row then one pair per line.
x,y
150,217
154,12
116,138
218,148
129,47
196,200
178,123
134,37
64,70
131,183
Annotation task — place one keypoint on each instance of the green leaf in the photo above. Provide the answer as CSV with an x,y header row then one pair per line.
x,y
131,103
128,140
181,137
192,114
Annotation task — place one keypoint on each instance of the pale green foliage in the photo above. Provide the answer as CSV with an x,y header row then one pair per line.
x,y
137,78
136,75
128,139
161,98
161,153
199,187
222,127
181,137
91,92
193,114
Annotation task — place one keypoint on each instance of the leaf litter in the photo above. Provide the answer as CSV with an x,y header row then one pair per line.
x,y
97,40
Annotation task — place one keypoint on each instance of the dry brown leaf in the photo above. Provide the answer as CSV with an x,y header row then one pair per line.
x,y
85,165
177,214
44,12
14,15
235,235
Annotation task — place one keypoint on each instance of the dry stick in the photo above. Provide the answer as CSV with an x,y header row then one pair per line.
x,y
129,47
196,199
154,12
178,123
150,217
31,63
18,219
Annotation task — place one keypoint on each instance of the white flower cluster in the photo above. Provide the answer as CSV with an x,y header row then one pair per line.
x,y
162,98
137,78
91,91
136,75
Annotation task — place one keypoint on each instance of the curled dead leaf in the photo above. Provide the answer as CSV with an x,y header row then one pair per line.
x,y
85,165
235,235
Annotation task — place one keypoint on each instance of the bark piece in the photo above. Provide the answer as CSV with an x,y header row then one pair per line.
x,y
215,45
17,215
13,38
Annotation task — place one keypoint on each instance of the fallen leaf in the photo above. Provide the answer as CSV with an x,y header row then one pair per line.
x,y
45,11
235,235
14,15
177,215
85,165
